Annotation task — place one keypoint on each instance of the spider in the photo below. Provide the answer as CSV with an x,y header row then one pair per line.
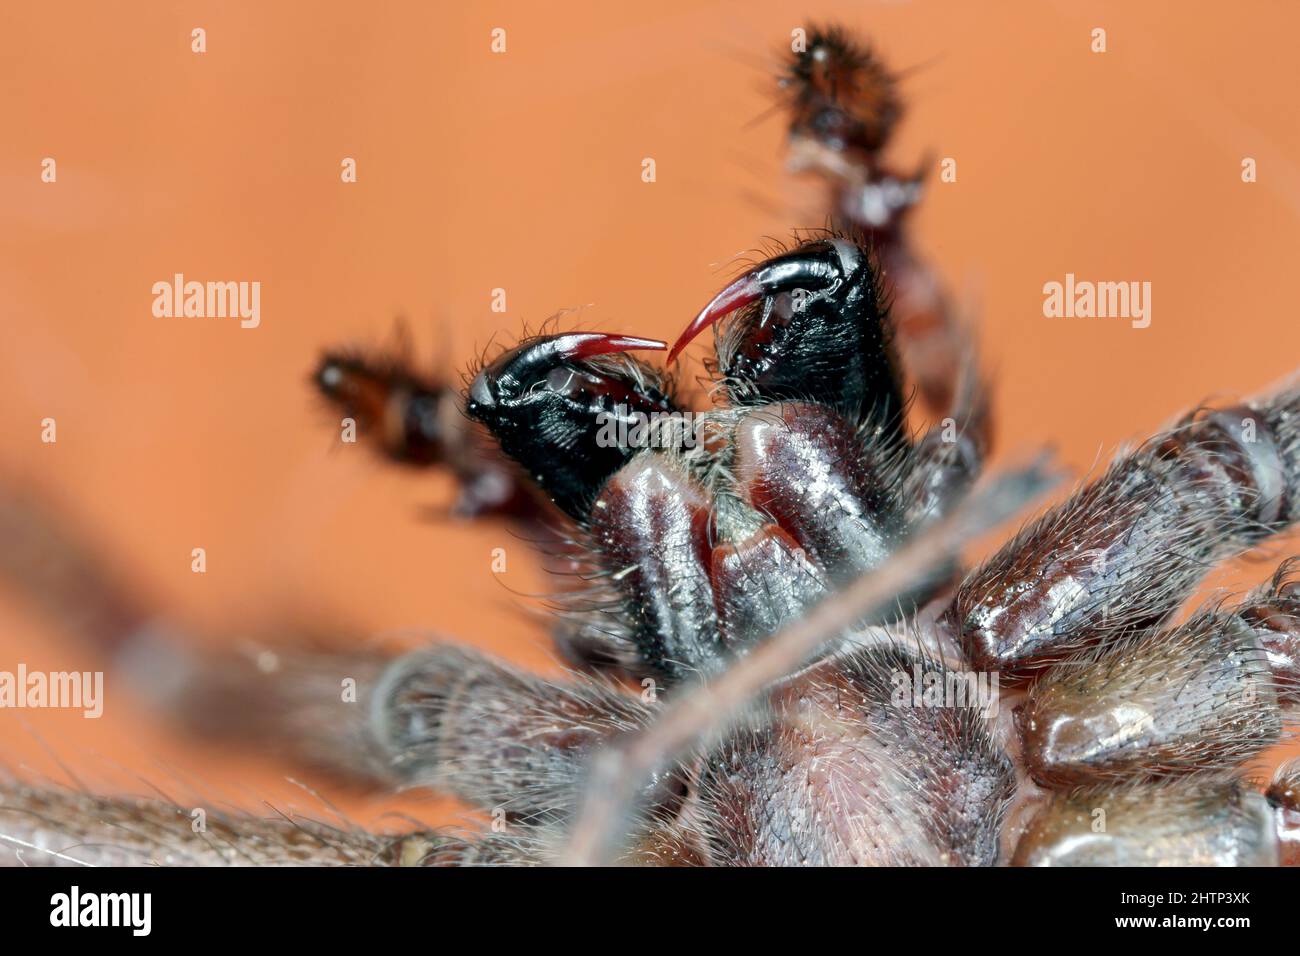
x,y
805,480
1045,708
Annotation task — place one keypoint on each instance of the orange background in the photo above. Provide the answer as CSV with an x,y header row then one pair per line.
x,y
522,171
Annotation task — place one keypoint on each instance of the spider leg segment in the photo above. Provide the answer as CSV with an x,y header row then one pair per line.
x,y
1130,720
1196,820
813,474
501,739
62,827
844,106
404,414
47,560
1140,737
418,421
1283,796
1126,550
1207,694
842,98
943,466
282,693
299,704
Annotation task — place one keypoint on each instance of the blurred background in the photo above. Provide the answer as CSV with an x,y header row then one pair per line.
x,y
522,171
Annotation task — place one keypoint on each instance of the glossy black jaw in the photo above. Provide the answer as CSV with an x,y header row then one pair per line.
x,y
553,401
809,326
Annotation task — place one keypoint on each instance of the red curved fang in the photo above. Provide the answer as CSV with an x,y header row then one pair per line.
x,y
582,345
748,288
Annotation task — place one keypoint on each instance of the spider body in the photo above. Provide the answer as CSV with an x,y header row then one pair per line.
x,y
700,554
